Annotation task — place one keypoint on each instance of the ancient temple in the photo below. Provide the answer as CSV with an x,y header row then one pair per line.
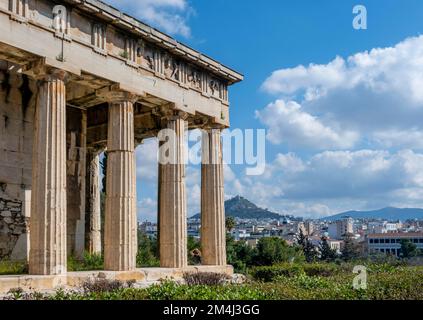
x,y
77,78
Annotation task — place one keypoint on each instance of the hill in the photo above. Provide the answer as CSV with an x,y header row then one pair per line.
x,y
390,214
241,208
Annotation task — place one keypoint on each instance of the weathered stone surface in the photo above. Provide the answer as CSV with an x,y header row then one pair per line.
x,y
173,209
75,181
48,211
16,113
12,225
120,238
43,155
73,280
6,214
213,232
20,250
93,215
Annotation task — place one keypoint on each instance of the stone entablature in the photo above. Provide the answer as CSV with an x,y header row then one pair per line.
x,y
110,33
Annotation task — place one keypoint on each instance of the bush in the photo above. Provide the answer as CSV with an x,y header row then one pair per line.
x,y
205,278
172,291
19,294
102,285
321,269
289,282
147,255
270,273
11,267
274,250
89,262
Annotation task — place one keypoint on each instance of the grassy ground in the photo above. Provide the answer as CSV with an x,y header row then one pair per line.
x,y
285,282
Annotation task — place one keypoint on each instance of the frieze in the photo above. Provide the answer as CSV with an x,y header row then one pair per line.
x,y
138,52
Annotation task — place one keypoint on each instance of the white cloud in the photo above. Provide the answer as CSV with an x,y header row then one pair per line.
x,y
146,156
335,181
314,79
396,69
147,209
289,163
374,95
168,15
394,138
288,123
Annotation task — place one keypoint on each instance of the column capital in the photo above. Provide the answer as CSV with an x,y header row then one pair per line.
x,y
213,127
114,95
39,70
169,113
96,149
207,123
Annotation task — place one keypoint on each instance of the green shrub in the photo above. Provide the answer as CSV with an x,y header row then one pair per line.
x,y
11,268
147,255
273,250
288,282
321,269
405,283
269,273
89,262
172,291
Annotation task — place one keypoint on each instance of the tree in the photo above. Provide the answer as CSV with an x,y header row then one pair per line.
x,y
350,251
147,248
408,249
274,250
194,251
326,252
308,248
230,224
239,254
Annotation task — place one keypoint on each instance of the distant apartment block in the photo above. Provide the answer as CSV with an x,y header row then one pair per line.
x,y
240,234
339,228
390,243
383,227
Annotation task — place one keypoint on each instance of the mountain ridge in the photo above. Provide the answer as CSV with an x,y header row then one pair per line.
x,y
240,207
388,213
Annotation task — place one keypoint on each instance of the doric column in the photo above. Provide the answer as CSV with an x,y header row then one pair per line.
x,y
48,205
213,235
120,238
172,206
93,218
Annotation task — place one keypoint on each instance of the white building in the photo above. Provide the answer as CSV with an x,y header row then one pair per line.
x,y
240,234
390,243
383,227
339,228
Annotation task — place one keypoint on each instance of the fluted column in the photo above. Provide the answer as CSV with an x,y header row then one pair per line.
x,y
93,219
48,205
120,241
172,206
213,235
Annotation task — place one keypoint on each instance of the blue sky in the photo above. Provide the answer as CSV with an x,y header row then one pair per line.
x,y
341,106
